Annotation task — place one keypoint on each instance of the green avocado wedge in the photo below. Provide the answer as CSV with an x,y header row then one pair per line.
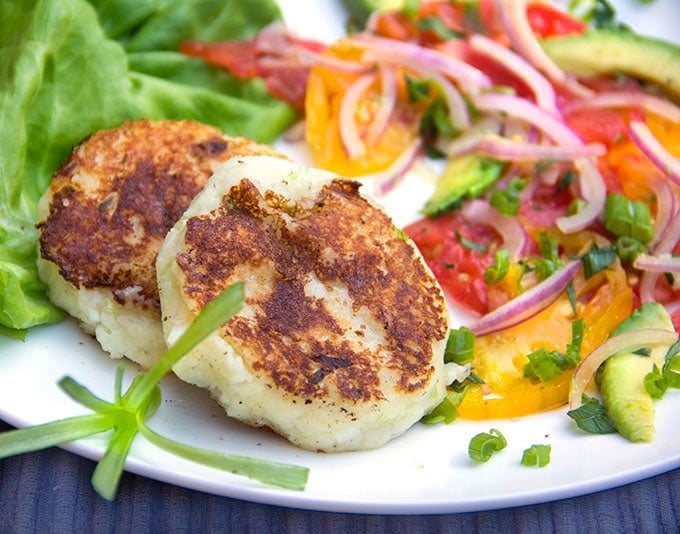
x,y
620,379
610,51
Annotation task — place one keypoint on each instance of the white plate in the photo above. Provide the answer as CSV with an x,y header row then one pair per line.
x,y
427,470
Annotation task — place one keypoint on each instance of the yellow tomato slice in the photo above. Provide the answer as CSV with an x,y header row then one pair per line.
x,y
499,359
326,88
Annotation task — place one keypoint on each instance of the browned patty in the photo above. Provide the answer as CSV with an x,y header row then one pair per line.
x,y
339,344
120,191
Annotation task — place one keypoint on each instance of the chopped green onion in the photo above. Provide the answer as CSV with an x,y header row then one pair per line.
x,y
543,365
628,249
439,28
483,445
536,456
628,218
445,412
549,247
495,272
591,418
597,259
566,180
410,8
507,200
470,244
459,345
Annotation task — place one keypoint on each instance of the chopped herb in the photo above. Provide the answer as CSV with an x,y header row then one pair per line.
x,y
597,259
470,244
545,365
628,218
536,456
571,293
410,8
591,418
437,26
655,383
459,345
628,249
671,370
507,200
566,180
495,272
445,412
483,445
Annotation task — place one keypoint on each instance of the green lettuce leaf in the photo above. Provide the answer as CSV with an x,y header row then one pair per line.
x,y
71,67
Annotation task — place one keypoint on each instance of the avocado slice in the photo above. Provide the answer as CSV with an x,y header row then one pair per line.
x,y
620,379
608,51
359,10
466,176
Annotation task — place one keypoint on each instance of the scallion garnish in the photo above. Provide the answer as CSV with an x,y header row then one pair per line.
x,y
536,456
495,272
483,445
445,412
507,200
545,365
459,345
126,416
628,218
597,259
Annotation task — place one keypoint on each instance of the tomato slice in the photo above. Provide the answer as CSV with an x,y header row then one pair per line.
x,y
548,21
458,253
326,89
499,358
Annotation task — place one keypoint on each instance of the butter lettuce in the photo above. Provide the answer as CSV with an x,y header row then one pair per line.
x,y
71,67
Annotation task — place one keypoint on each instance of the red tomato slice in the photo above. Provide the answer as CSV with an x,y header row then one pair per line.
x,y
548,21
458,266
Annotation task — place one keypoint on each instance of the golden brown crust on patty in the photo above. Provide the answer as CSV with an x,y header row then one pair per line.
x,y
117,195
295,342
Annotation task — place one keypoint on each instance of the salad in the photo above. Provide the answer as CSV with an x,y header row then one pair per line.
x,y
553,217
552,220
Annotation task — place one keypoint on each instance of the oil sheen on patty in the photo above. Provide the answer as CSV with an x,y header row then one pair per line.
x,y
106,213
340,342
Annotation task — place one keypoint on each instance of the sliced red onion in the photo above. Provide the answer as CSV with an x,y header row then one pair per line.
x,y
469,138
458,112
593,190
507,150
296,132
351,139
306,57
528,303
529,112
513,15
401,52
629,99
390,177
540,86
666,162
663,263
628,341
388,101
513,234
665,208
669,240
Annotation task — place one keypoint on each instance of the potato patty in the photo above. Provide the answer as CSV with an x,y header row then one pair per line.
x,y
339,345
105,215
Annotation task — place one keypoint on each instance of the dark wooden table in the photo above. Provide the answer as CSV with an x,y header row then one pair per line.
x,y
50,491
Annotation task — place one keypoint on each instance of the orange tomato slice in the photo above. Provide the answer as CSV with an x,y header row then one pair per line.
x,y
326,88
